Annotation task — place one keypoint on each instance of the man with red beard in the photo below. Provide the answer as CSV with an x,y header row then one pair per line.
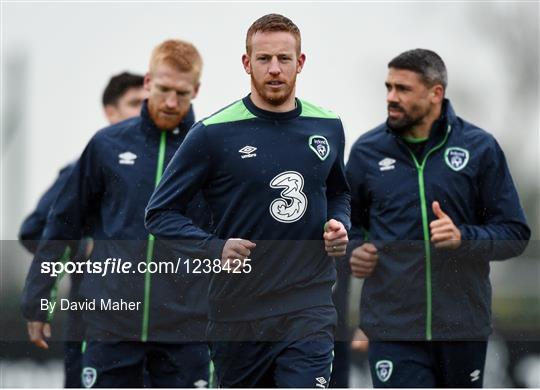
x,y
162,319
271,169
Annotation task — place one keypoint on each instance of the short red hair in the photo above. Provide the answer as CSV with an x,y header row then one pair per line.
x,y
273,23
179,54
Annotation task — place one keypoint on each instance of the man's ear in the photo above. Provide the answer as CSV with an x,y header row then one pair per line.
x,y
437,93
246,61
300,62
110,113
147,79
196,90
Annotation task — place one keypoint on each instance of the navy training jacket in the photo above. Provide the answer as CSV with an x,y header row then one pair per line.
x,y
418,292
109,186
29,236
273,178
33,225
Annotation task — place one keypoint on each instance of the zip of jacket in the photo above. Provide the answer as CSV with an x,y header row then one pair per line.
x,y
425,227
151,241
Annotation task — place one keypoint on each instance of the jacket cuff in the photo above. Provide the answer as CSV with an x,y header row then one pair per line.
x,y
33,312
471,248
352,245
344,219
215,248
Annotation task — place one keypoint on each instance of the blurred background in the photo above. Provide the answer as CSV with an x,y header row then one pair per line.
x,y
58,57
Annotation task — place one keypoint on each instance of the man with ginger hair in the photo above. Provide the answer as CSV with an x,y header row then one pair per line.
x,y
161,317
271,168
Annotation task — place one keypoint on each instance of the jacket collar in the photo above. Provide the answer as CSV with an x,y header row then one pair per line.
x,y
450,113
150,127
271,115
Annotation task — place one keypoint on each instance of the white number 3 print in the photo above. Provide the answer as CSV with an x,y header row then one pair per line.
x,y
293,202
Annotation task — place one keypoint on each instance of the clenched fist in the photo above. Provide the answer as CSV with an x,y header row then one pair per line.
x,y
39,331
335,238
363,260
236,248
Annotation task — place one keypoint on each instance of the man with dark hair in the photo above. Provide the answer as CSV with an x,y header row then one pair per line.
x,y
137,318
122,99
123,96
435,195
271,168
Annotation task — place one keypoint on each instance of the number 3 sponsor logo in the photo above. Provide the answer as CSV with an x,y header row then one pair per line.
x,y
293,202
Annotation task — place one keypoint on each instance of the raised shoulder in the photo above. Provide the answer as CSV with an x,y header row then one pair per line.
x,y
311,110
235,112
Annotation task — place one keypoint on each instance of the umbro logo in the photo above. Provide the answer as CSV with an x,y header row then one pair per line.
x,y
475,375
387,164
200,384
247,151
321,382
127,158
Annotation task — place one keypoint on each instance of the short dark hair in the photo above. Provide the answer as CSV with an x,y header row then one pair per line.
x,y
428,64
273,23
118,85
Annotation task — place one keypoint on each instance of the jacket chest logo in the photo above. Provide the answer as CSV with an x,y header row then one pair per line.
x,y
456,158
386,164
248,151
320,146
127,158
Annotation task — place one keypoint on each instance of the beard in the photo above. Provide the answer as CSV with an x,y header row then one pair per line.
x,y
165,119
274,98
408,120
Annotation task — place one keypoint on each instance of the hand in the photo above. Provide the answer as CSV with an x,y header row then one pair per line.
x,y
363,260
37,332
360,341
444,234
236,248
335,238
88,247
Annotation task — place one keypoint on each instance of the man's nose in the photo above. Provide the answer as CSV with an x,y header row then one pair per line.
x,y
391,96
274,69
172,100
